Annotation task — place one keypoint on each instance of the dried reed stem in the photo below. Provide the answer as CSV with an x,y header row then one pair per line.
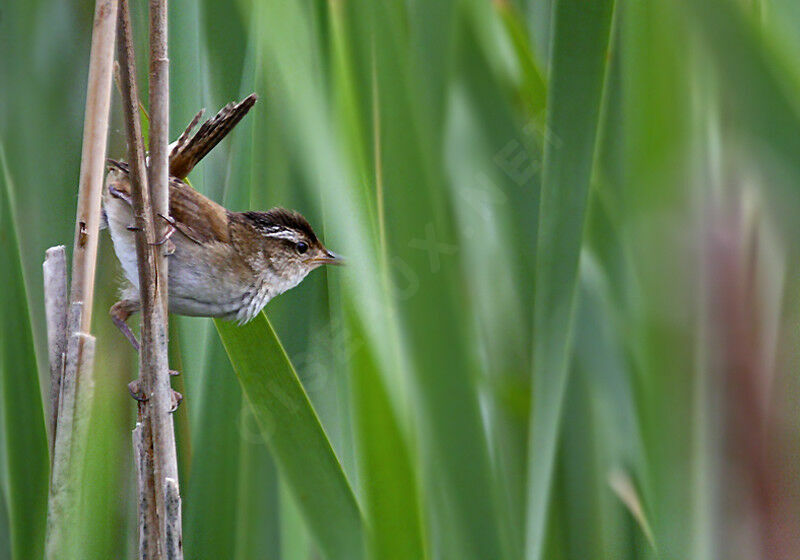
x,y
163,429
148,512
154,375
71,350
93,156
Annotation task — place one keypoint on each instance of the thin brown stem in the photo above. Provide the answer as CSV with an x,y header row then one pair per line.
x,y
166,464
148,512
159,127
154,412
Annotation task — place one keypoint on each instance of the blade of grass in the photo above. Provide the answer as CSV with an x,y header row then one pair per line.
x,y
657,93
213,510
212,486
426,264
388,479
499,27
257,499
296,542
258,507
578,67
5,537
295,436
25,454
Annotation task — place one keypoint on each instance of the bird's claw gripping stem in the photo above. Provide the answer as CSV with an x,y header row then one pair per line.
x,y
177,399
136,391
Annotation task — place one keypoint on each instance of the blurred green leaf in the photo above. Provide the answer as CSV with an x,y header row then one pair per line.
x,y
25,453
533,89
577,73
5,537
258,501
387,477
212,489
753,69
293,433
425,266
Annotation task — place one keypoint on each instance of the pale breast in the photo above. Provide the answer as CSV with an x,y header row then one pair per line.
x,y
119,216
207,280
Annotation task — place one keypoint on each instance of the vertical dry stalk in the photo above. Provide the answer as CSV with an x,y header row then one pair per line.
x,y
95,133
159,121
154,375
143,443
71,349
166,466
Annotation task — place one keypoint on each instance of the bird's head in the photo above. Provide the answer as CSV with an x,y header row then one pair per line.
x,y
289,246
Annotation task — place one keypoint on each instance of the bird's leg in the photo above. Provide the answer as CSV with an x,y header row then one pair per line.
x,y
120,313
169,219
116,193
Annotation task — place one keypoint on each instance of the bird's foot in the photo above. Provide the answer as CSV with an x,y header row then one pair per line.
x,y
136,391
170,231
177,398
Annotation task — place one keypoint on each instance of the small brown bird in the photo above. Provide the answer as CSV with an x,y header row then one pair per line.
x,y
221,263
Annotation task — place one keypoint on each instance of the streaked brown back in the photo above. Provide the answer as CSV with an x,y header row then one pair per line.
x,y
198,217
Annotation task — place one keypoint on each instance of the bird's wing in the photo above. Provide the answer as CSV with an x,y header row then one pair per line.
x,y
186,152
198,217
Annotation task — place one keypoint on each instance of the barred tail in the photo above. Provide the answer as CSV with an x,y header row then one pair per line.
x,y
187,152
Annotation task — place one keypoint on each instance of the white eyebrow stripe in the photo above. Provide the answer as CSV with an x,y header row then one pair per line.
x,y
282,233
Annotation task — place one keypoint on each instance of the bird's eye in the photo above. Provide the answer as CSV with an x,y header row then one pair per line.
x,y
302,247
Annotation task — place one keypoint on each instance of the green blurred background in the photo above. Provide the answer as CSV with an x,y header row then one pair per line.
x,y
569,327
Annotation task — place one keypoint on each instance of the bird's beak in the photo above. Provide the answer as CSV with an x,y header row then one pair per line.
x,y
329,258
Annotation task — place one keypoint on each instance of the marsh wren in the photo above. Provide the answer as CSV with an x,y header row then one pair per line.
x,y
221,263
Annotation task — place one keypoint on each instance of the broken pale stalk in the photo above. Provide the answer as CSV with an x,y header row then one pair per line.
x,y
54,272
154,375
74,412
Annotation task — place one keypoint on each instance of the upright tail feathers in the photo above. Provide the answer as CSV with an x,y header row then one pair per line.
x,y
186,152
